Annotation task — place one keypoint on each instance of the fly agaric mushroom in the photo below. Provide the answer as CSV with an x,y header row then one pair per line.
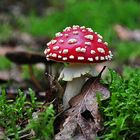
x,y
80,47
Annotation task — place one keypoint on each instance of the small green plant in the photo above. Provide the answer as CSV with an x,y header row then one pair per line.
x,y
12,113
122,111
42,124
16,117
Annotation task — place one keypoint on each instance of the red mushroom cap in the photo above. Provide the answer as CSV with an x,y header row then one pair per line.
x,y
78,45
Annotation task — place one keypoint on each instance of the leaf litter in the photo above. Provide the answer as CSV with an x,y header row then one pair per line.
x,y
83,119
127,34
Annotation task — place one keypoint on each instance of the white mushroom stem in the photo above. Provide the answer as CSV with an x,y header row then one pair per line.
x,y
73,74
72,89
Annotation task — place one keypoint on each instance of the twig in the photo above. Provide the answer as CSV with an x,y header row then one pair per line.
x,y
35,81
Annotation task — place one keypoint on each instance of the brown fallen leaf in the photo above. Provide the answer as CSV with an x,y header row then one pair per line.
x,y
126,34
83,119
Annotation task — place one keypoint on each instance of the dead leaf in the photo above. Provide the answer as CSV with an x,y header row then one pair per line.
x,y
83,118
126,34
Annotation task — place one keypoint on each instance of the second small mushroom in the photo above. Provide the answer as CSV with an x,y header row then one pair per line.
x,y
80,47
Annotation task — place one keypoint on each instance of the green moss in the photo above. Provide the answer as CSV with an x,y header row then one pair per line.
x,y
43,125
13,115
121,112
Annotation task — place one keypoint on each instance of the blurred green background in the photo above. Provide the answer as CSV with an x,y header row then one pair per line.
x,y
42,19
